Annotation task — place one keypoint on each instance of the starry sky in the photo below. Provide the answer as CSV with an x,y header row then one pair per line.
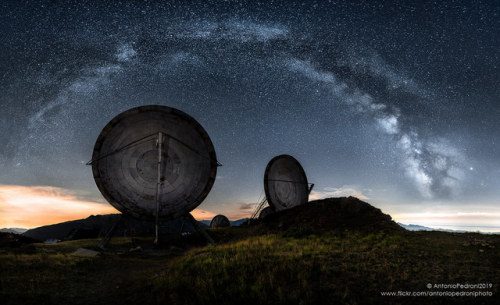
x,y
397,104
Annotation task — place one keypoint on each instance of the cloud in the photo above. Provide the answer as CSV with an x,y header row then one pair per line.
x,y
200,214
33,206
236,210
344,191
452,218
247,206
235,215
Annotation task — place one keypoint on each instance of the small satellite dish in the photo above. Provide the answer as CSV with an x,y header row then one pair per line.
x,y
154,162
285,183
220,221
265,212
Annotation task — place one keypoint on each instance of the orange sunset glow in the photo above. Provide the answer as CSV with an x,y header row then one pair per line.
x,y
34,206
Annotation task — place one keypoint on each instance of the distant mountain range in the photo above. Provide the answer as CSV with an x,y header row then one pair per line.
x,y
412,227
61,230
96,226
13,230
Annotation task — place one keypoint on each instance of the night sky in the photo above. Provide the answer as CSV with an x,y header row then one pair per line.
x,y
397,104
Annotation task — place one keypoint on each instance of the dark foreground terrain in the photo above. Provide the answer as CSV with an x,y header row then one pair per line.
x,y
334,251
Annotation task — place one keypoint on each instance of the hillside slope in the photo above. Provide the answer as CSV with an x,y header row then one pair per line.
x,y
332,214
334,251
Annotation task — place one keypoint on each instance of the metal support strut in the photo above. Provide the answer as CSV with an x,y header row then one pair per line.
x,y
310,188
259,208
158,186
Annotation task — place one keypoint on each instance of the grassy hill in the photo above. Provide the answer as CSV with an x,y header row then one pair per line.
x,y
335,251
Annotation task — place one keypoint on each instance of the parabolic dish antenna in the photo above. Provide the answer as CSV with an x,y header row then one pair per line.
x,y
285,183
154,162
220,221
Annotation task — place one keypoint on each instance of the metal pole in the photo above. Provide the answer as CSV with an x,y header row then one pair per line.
x,y
311,188
158,184
259,208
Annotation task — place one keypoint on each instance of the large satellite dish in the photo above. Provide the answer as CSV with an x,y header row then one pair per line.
x,y
154,162
285,183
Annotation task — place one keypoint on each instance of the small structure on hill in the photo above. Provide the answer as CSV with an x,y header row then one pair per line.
x,y
220,221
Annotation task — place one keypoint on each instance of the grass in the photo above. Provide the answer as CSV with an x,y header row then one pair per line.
x,y
350,268
50,274
292,267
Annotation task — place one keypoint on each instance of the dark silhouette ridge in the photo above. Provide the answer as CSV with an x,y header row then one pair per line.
x,y
332,214
314,217
100,224
12,240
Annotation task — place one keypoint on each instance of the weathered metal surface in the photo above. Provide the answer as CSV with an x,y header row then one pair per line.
x,y
285,183
125,162
219,221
